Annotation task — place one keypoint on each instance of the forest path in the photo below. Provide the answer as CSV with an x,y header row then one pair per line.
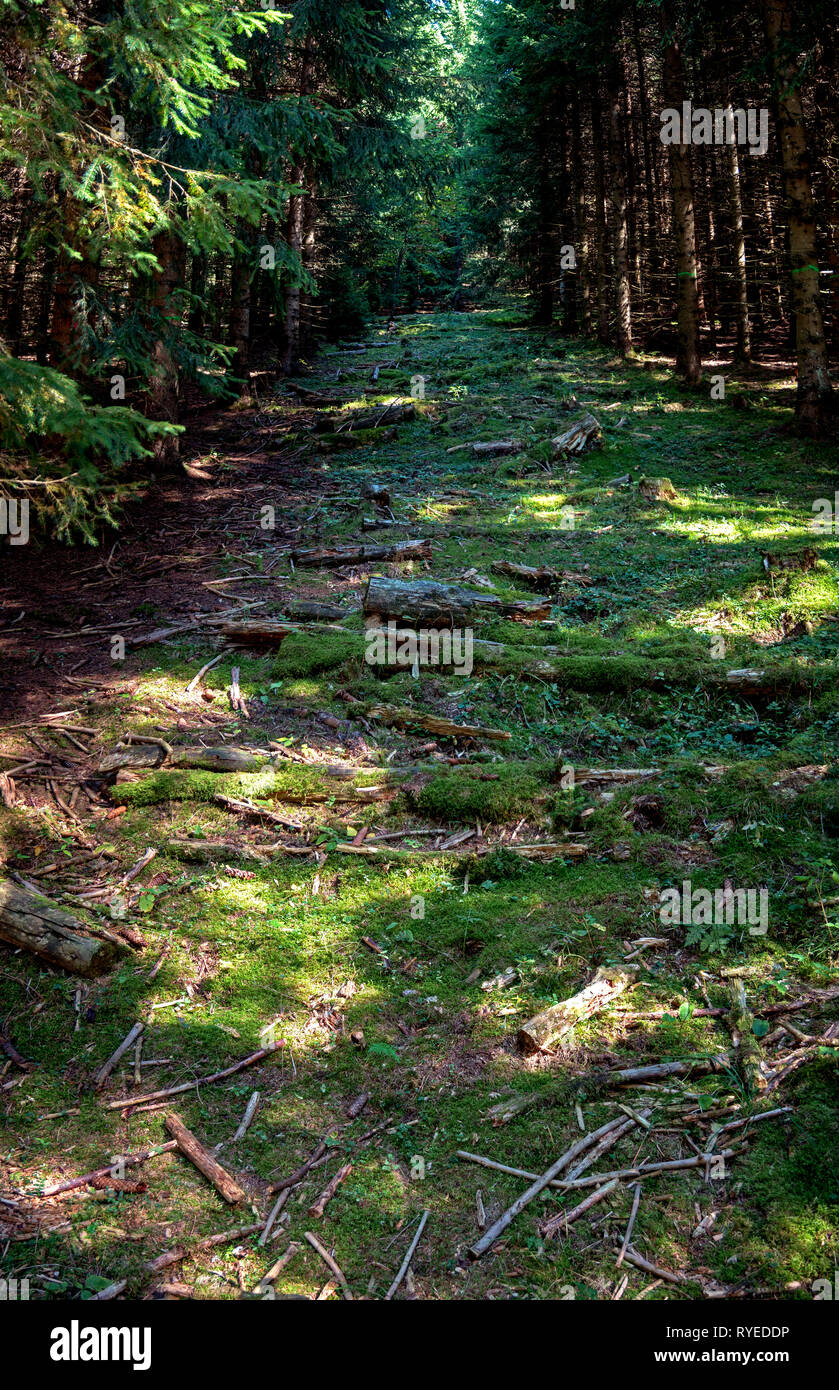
x,y
363,895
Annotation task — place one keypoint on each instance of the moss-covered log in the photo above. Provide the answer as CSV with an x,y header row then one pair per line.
x,y
31,922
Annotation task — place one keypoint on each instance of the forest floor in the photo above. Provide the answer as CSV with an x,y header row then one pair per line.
x,y
405,972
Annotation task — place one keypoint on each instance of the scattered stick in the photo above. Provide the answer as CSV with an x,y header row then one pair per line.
x,y
319,1206
563,1219
208,666
180,1252
267,1280
272,1216
636,1202
329,1262
151,1096
124,1161
106,1069
409,1255
564,1161
634,1258
203,1160
247,1118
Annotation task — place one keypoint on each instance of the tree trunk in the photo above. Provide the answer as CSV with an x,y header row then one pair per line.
x,y
240,311
688,360
743,349
600,231
620,226
814,396
162,389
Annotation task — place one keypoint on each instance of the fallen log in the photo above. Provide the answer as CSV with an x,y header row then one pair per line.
x,y
143,756
443,728
746,1045
557,1092
356,439
183,1252
541,576
318,612
430,604
334,557
31,922
395,414
212,851
495,448
539,1034
203,1160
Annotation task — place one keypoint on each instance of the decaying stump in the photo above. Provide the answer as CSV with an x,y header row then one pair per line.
x,y
33,923
583,436
548,1027
657,489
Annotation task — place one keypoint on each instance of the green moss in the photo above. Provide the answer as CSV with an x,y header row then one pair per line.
x,y
470,796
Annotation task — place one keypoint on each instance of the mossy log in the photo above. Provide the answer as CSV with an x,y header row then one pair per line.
x,y
148,756
541,576
432,605
657,489
33,923
215,851
746,1044
395,414
355,439
443,728
558,1092
541,1032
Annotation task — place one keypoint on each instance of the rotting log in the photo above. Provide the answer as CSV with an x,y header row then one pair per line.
x,y
142,756
338,555
541,576
395,414
443,728
746,1045
433,605
539,1033
31,922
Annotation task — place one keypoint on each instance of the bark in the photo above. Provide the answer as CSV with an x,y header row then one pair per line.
x,y
541,1032
600,227
620,223
688,360
33,923
433,605
226,1186
239,324
163,385
814,397
743,350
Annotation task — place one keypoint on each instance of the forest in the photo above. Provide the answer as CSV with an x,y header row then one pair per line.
x,y
419,612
